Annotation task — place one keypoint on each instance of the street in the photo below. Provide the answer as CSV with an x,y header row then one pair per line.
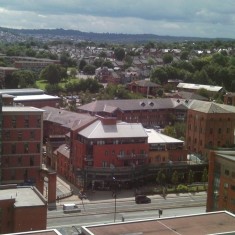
x,y
106,212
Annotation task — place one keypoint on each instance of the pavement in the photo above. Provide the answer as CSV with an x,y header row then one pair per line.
x,y
64,187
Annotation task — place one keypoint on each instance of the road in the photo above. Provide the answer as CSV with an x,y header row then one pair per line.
x,y
105,212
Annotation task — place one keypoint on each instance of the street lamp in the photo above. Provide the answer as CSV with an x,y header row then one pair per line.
x,y
115,199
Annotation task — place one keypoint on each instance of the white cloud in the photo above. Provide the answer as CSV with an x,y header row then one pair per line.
x,y
202,18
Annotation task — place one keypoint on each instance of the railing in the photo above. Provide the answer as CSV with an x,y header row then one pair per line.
x,y
132,156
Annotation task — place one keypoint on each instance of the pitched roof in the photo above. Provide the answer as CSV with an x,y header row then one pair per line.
x,y
211,107
66,118
98,130
135,104
155,137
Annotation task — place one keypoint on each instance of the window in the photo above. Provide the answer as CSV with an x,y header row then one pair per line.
x,y
13,148
13,122
26,121
19,161
219,131
226,172
7,135
32,135
26,147
31,161
233,187
19,135
39,121
38,148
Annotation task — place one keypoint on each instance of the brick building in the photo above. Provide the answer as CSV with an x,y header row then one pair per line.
x,y
149,112
229,98
21,144
22,209
209,125
221,181
144,87
106,149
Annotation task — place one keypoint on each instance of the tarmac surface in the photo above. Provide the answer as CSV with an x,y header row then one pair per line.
x,y
64,187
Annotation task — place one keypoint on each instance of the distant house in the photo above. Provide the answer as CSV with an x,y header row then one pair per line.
x,y
145,87
107,75
186,95
195,87
229,98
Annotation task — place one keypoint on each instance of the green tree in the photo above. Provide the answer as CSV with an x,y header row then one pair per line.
x,y
52,73
82,64
53,89
170,131
89,69
159,74
167,58
203,92
20,79
205,175
73,72
161,177
190,177
175,178
108,63
119,53
184,55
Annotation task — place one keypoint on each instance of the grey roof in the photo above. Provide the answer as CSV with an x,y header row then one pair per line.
x,y
145,83
211,107
155,137
24,196
23,91
227,154
135,104
199,86
66,118
98,130
12,109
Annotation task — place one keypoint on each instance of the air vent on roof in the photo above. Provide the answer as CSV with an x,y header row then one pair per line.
x,y
186,101
178,101
151,103
142,104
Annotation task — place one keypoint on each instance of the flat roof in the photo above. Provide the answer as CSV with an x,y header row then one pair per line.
x,y
39,232
198,224
35,97
199,86
24,196
8,109
22,91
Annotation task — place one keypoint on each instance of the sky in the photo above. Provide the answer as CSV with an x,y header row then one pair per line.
x,y
196,18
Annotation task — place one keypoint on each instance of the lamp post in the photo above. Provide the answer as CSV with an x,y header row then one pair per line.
x,y
115,199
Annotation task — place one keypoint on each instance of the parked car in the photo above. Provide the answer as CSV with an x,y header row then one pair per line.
x,y
142,199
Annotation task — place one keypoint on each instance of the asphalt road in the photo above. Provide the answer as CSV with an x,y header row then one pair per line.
x,y
105,211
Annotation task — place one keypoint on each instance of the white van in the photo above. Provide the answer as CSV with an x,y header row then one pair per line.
x,y
70,207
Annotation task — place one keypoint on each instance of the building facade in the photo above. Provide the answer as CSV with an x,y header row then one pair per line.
x,y
22,209
21,144
221,181
209,125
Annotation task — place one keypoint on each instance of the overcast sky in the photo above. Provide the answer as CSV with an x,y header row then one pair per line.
x,y
199,18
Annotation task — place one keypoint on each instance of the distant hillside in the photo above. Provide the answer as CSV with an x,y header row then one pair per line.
x,y
76,35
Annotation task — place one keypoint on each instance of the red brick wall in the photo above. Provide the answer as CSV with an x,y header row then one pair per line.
x,y
30,218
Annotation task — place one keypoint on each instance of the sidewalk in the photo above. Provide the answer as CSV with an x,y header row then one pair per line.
x,y
101,196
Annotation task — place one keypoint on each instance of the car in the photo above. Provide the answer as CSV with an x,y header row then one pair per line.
x,y
142,199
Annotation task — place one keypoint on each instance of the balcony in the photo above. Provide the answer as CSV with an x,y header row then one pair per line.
x,y
132,156
88,158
